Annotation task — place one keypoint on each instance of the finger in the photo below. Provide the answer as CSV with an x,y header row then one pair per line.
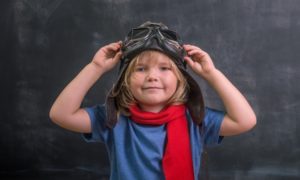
x,y
118,44
189,61
114,46
118,56
189,47
196,52
194,65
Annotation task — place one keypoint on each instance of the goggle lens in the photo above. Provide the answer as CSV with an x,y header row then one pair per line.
x,y
138,33
169,34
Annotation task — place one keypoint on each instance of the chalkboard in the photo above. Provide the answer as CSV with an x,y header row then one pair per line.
x,y
44,44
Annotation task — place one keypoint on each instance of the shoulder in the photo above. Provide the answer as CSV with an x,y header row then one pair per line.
x,y
210,114
213,117
213,113
97,110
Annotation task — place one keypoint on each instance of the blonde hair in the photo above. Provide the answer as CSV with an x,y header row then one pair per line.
x,y
124,97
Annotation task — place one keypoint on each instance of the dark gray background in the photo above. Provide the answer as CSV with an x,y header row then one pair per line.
x,y
45,43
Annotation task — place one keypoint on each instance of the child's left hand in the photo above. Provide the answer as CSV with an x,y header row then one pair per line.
x,y
199,60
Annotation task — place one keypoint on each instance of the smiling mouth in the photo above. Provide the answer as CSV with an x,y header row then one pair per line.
x,y
146,88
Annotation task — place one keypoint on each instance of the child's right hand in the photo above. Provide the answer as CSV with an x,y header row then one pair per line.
x,y
107,56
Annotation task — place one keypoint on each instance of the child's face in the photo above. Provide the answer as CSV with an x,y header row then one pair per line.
x,y
153,81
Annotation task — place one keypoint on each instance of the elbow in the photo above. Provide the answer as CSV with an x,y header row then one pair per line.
x,y
53,116
250,122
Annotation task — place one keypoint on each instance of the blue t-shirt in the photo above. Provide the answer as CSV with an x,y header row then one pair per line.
x,y
136,151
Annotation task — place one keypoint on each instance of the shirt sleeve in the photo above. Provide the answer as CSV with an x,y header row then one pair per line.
x,y
212,124
99,131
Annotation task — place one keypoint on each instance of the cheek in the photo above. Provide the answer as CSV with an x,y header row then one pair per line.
x,y
174,87
135,82
172,83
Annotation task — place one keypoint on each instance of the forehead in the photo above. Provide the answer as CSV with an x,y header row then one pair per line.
x,y
153,57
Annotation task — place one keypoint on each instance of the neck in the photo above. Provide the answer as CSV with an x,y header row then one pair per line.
x,y
153,109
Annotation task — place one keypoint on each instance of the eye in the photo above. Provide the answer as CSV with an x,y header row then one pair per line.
x,y
140,69
165,68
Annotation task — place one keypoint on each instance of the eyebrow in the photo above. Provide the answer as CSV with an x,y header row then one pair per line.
x,y
164,63
159,63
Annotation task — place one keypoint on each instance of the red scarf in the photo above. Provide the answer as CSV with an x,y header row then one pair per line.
x,y
177,160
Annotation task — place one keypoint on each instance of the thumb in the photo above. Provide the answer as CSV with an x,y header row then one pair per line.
x,y
117,57
189,61
196,67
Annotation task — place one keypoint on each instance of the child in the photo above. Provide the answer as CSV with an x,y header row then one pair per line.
x,y
154,122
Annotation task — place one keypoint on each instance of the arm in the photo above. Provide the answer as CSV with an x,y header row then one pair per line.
x,y
240,117
66,111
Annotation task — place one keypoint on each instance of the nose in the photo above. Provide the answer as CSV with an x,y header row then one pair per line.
x,y
152,75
